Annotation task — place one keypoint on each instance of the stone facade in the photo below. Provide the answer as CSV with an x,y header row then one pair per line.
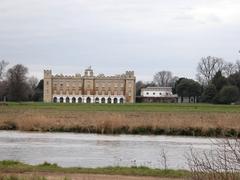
x,y
89,88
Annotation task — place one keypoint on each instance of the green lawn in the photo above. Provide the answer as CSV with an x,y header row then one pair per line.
x,y
18,167
138,107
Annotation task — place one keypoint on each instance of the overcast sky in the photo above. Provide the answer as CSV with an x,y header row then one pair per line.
x,y
117,35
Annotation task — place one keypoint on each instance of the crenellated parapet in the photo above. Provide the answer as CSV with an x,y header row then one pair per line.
x,y
47,73
102,76
130,74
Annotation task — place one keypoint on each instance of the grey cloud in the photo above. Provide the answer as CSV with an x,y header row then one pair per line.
x,y
113,36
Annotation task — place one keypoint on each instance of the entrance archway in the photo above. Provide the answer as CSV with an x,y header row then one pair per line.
x,y
61,99
79,100
121,100
55,99
97,100
88,100
103,101
73,100
67,100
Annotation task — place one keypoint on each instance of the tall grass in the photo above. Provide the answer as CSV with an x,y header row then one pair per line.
x,y
64,118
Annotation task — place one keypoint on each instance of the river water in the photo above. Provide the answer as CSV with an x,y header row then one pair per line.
x,y
91,150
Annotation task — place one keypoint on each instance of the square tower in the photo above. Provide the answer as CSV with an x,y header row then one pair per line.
x,y
47,86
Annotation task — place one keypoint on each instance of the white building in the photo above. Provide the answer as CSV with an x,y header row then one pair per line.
x,y
157,94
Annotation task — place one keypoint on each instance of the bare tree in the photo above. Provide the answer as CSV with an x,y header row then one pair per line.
x,y
230,68
223,163
238,65
3,90
163,78
3,65
207,68
18,87
32,82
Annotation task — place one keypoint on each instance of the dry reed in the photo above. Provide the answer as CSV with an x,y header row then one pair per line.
x,y
47,120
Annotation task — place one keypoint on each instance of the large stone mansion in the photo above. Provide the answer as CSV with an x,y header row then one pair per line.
x,y
89,88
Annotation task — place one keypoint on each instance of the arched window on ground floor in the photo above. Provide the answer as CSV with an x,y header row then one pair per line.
x,y
121,100
67,100
97,100
103,100
73,100
61,99
79,100
88,100
55,99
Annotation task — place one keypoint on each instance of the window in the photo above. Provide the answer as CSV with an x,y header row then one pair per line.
x,y
147,93
73,100
97,100
55,100
103,100
154,93
67,100
88,100
121,100
79,100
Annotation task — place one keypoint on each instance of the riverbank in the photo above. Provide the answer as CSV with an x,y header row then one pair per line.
x,y
158,119
62,176
47,169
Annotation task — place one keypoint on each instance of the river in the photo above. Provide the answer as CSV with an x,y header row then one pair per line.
x,y
92,150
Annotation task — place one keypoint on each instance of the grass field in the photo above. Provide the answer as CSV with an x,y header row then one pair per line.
x,y
138,107
170,119
18,167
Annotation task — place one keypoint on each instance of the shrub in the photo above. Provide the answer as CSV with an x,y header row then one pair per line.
x,y
228,94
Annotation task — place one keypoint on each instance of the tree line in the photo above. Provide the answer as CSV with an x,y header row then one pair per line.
x,y
15,85
217,81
